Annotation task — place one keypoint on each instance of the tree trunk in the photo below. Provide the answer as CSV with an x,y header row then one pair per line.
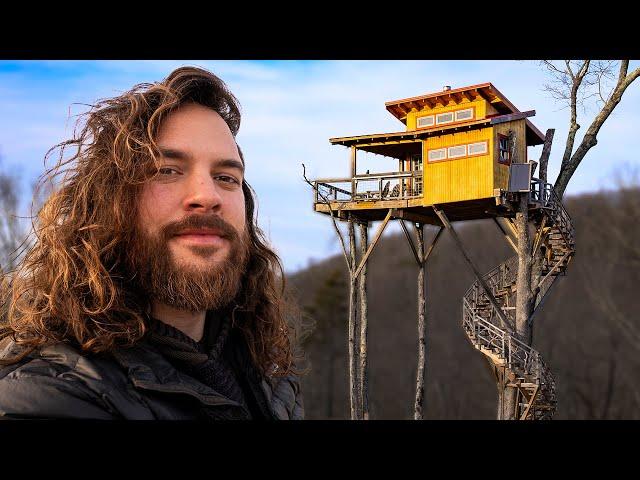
x,y
420,377
353,333
362,287
524,301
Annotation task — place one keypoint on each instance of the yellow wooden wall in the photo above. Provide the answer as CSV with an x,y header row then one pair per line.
x,y
464,178
480,106
482,109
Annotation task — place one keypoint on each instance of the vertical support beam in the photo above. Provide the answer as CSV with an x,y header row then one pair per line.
x,y
353,171
362,287
353,353
420,376
487,290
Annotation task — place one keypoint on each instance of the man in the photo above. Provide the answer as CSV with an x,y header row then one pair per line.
x,y
149,292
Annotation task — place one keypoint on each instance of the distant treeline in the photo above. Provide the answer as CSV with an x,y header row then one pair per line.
x,y
587,330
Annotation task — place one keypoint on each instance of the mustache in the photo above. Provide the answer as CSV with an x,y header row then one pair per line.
x,y
200,221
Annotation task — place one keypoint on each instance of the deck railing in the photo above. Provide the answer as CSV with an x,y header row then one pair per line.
x,y
379,186
544,194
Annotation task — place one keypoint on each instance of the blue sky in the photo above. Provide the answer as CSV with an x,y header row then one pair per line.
x,y
290,110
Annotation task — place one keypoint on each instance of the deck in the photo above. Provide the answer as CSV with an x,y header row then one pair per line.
x,y
376,194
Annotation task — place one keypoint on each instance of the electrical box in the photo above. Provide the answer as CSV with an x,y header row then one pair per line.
x,y
520,177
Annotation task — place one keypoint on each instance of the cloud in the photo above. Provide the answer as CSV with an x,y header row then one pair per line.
x,y
290,110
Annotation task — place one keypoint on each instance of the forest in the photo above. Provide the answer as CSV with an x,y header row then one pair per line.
x,y
588,329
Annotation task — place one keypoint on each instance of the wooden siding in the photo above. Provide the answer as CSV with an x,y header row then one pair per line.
x,y
480,107
465,178
501,171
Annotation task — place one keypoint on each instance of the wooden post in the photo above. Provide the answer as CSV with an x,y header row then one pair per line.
x,y
353,171
421,259
362,284
353,353
420,376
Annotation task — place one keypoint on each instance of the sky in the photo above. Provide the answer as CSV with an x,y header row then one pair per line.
x,y
290,109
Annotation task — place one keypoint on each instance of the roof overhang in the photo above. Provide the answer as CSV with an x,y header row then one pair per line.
x,y
486,91
399,144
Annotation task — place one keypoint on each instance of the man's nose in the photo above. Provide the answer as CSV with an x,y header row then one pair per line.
x,y
203,193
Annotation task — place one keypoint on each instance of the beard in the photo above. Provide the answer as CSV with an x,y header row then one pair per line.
x,y
190,287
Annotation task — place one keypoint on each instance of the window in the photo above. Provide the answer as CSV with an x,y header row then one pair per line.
x,y
458,151
504,153
416,166
416,162
444,118
425,121
478,148
465,114
438,154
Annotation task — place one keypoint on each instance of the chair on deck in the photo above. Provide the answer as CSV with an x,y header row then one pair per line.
x,y
385,190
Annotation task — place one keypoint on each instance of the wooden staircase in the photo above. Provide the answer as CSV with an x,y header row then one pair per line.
x,y
523,367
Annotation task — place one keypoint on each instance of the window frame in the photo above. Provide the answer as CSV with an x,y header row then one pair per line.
x,y
463,145
453,117
486,148
499,150
471,109
430,160
433,118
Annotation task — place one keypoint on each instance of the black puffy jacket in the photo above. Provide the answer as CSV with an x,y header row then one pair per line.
x,y
137,383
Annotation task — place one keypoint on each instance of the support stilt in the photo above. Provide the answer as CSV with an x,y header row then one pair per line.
x,y
362,287
421,259
422,354
353,352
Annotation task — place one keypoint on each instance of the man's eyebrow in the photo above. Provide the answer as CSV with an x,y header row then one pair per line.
x,y
231,163
175,154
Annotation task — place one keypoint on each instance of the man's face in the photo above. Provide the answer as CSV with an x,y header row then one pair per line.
x,y
192,223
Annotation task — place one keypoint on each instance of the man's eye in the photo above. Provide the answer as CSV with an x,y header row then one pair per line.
x,y
227,179
167,171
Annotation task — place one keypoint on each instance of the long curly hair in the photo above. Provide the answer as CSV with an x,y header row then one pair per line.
x,y
71,285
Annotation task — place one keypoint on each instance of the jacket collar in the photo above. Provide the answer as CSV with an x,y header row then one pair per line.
x,y
149,370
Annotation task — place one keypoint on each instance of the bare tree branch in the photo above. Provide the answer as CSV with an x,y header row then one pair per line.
x,y
546,152
12,231
335,225
576,80
570,163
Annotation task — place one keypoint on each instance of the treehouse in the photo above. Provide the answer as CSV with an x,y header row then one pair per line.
x,y
462,150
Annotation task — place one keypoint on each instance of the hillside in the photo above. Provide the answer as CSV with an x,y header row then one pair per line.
x,y
587,330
